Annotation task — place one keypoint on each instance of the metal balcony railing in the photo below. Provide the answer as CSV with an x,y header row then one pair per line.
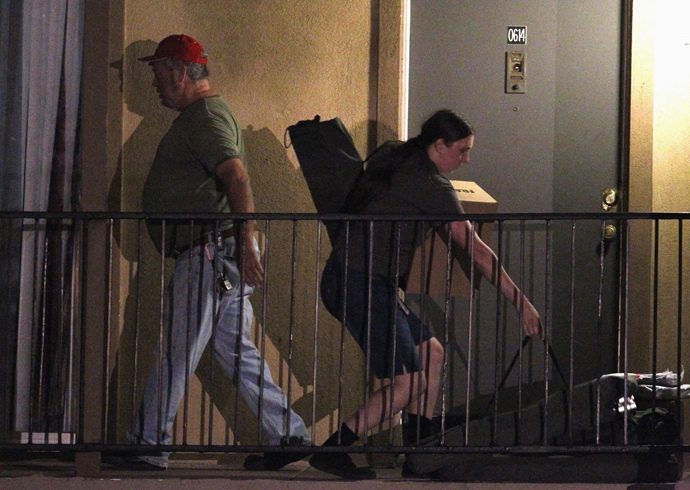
x,y
83,302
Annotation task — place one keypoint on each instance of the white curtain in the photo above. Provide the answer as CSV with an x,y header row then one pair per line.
x,y
51,46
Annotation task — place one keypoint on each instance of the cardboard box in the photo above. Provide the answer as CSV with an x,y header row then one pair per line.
x,y
475,200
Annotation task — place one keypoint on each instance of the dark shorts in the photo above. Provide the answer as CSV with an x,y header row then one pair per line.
x,y
394,330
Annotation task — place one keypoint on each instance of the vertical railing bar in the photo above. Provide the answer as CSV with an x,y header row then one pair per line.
x,y
6,252
602,250
6,230
215,317
216,242
137,318
341,370
626,278
34,339
66,333
497,343
520,319
367,368
679,338
241,249
426,274
161,327
571,355
108,327
621,268
291,331
65,329
244,230
446,322
655,328
315,357
264,316
546,325
394,340
61,379
42,295
190,294
82,343
470,326
423,289
75,299
622,333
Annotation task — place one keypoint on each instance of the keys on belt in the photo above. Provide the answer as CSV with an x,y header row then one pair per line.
x,y
224,272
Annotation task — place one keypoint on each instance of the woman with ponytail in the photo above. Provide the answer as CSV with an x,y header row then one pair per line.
x,y
371,261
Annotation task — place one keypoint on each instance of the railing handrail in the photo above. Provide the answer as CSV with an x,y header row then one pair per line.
x,y
530,216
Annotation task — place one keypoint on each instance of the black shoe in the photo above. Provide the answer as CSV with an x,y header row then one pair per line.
x,y
131,462
272,461
341,464
407,471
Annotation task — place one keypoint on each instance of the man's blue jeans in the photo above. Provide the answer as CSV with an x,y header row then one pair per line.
x,y
191,299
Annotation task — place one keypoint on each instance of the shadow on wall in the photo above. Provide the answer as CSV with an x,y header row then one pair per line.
x,y
291,303
141,316
291,306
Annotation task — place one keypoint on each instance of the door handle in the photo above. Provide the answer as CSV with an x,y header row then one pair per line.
x,y
609,199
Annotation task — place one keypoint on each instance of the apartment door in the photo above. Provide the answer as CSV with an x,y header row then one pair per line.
x,y
546,143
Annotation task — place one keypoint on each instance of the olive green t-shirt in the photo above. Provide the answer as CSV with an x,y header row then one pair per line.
x,y
416,188
182,178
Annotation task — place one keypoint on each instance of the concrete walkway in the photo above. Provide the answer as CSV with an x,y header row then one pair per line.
x,y
226,472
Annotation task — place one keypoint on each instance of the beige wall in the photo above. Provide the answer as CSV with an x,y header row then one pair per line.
x,y
641,181
672,164
659,174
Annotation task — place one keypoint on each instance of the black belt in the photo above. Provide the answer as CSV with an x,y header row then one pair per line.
x,y
202,240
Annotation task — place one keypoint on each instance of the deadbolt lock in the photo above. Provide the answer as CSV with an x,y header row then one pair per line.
x,y
609,199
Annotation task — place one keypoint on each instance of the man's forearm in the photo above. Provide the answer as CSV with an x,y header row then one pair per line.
x,y
239,193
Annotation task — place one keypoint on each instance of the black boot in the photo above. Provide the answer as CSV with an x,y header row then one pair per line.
x,y
416,428
340,463
273,461
428,428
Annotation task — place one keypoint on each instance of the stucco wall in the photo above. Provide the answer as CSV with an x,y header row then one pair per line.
x,y
641,181
659,179
671,165
275,63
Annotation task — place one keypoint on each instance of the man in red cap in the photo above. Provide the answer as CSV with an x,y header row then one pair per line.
x,y
198,168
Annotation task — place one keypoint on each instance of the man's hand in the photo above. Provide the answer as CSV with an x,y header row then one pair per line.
x,y
253,270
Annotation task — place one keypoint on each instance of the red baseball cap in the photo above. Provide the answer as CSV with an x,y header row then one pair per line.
x,y
178,47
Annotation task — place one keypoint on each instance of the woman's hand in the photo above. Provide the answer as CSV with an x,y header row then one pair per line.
x,y
531,321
